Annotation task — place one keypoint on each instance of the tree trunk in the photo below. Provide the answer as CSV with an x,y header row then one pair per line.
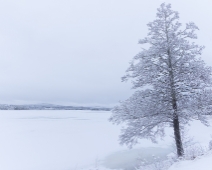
x,y
177,137
176,124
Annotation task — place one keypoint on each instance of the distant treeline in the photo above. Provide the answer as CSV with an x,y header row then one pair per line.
x,y
50,107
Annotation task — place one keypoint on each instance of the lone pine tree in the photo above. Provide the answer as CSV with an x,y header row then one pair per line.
x,y
173,85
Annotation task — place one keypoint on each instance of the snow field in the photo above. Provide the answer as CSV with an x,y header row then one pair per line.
x,y
57,140
74,140
54,140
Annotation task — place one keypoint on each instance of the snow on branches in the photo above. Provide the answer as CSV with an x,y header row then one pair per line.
x,y
173,85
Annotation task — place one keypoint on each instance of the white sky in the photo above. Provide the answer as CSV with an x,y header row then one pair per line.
x,y
76,51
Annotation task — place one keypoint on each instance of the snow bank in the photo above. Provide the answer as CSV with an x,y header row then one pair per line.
x,y
204,162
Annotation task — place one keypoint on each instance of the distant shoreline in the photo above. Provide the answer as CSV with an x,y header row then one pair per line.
x,y
51,107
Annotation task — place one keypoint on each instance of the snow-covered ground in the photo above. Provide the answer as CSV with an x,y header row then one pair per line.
x,y
61,140
54,140
72,140
201,163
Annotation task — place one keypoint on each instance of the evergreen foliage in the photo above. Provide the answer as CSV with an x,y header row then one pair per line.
x,y
173,84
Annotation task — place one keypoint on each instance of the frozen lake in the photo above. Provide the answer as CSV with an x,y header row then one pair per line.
x,y
65,140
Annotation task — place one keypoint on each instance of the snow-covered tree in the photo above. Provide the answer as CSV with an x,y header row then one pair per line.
x,y
173,84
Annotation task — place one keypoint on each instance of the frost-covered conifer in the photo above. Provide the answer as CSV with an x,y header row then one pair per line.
x,y
173,83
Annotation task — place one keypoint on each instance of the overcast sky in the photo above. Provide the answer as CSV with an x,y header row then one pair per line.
x,y
76,51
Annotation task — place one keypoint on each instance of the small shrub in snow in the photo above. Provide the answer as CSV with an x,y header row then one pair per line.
x,y
210,145
191,152
194,151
